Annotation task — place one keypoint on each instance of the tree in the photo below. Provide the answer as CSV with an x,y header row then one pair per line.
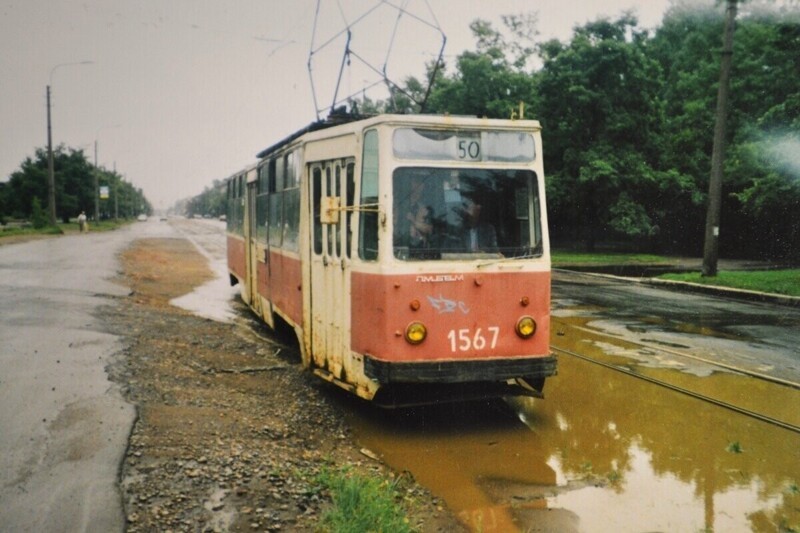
x,y
486,83
763,109
211,201
602,117
74,186
27,183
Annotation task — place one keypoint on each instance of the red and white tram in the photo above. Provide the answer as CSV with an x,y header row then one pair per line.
x,y
409,253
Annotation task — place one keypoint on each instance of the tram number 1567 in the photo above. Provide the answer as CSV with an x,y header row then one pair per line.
x,y
465,339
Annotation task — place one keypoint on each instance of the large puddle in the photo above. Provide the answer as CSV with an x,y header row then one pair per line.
x,y
604,452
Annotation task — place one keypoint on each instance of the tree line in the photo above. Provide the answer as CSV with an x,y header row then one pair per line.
x,y
24,196
212,202
628,119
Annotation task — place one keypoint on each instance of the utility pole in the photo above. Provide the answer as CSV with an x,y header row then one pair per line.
x,y
51,178
117,179
95,171
711,247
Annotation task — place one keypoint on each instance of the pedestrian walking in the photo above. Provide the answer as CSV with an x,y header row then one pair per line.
x,y
84,227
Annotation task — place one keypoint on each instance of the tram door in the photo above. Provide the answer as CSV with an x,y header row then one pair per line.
x,y
332,190
251,252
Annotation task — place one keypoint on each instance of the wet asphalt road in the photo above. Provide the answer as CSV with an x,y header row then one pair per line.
x,y
63,425
758,337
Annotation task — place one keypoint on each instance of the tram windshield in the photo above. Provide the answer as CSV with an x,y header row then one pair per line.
x,y
465,213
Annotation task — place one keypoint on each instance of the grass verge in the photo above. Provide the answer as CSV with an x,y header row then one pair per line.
x,y
60,229
578,258
47,230
362,503
773,281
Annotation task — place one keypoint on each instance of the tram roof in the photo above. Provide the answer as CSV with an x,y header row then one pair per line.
x,y
339,118
334,119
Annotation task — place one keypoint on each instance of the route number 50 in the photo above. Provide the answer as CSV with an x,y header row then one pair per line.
x,y
469,149
464,339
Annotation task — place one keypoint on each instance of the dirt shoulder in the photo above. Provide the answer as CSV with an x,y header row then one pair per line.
x,y
230,431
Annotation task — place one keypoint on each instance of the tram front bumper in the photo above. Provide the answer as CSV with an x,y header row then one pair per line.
x,y
460,370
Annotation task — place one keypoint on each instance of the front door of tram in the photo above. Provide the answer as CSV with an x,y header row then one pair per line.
x,y
331,185
251,240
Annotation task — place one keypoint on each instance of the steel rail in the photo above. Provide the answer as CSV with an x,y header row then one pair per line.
x,y
696,395
732,368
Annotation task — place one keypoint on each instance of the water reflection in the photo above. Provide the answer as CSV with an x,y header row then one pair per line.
x,y
603,452
213,299
657,451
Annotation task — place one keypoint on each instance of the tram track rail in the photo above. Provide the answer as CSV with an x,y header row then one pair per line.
x,y
732,368
693,394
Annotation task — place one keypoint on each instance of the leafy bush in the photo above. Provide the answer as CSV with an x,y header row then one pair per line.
x,y
38,216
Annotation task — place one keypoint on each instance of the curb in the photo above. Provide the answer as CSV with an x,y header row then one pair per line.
x,y
728,292
685,286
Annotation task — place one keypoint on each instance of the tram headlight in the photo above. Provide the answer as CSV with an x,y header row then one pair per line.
x,y
416,332
526,327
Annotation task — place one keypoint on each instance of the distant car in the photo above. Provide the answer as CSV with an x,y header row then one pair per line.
x,y
223,218
142,218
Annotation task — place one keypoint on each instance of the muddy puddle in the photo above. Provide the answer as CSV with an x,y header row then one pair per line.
x,y
213,299
604,452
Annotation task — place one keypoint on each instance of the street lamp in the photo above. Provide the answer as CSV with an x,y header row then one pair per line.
x,y
51,180
97,172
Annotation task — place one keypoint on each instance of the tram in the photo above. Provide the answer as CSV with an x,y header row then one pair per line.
x,y
408,253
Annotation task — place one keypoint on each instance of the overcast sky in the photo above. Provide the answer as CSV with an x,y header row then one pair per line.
x,y
183,92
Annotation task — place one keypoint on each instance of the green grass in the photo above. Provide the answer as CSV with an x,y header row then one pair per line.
x,y
362,504
773,281
63,229
47,230
578,258
103,225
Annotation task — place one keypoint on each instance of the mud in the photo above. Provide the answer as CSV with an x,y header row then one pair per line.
x,y
231,433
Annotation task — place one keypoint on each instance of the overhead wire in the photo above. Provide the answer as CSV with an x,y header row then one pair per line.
x,y
348,53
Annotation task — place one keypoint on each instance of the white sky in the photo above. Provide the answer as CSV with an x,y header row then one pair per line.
x,y
183,92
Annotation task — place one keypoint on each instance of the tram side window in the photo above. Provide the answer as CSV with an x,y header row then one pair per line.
x,y
291,205
236,218
271,179
242,200
291,219
331,227
317,195
228,205
280,174
290,179
262,212
275,220
262,205
368,227
263,179
350,188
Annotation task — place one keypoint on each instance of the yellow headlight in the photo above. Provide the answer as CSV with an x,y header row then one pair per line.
x,y
416,333
526,327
